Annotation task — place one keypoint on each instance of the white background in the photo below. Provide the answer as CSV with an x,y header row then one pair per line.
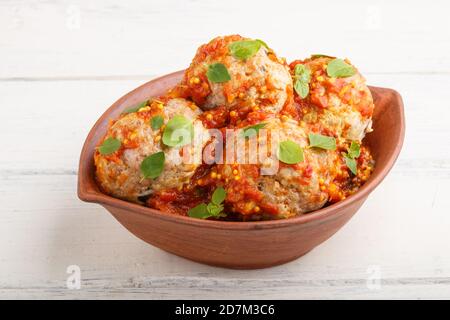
x,y
62,63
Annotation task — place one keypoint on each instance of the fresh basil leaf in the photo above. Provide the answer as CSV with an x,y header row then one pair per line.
x,y
156,122
301,88
321,141
179,131
290,152
316,56
218,73
199,212
136,107
302,76
109,146
302,72
251,131
263,43
214,209
153,165
355,150
351,164
218,195
244,49
338,68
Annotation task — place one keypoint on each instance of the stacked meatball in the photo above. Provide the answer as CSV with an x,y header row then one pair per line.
x,y
119,173
271,188
240,84
261,80
341,105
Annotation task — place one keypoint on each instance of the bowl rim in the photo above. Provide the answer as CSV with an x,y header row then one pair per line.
x,y
105,200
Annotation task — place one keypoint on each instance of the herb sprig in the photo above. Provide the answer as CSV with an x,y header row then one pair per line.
x,y
290,152
136,107
350,157
251,131
109,146
212,209
338,68
218,73
153,165
302,76
156,122
319,55
323,142
245,49
178,132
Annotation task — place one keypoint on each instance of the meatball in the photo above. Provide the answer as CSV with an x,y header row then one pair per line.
x,y
342,106
119,173
289,189
260,79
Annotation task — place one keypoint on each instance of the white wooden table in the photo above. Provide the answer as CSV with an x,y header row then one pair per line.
x,y
62,63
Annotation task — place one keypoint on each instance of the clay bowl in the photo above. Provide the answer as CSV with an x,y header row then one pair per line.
x,y
241,245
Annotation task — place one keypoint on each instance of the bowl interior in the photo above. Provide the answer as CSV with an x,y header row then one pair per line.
x,y
388,133
385,142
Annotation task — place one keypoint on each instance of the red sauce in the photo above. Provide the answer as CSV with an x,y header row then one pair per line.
x,y
243,198
180,201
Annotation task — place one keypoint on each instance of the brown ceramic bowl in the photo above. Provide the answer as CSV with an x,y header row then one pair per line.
x,y
241,245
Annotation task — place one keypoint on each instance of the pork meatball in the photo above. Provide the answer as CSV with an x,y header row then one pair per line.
x,y
257,78
287,191
341,105
119,173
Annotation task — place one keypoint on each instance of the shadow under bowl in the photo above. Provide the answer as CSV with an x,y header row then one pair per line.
x,y
241,245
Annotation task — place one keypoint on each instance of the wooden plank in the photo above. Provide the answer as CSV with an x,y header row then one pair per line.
x,y
53,39
64,63
52,119
53,229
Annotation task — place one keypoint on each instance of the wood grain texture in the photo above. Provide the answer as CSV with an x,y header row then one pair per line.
x,y
134,38
56,79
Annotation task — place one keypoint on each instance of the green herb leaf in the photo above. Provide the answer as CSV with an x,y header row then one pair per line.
x,y
316,56
218,73
263,43
321,141
153,165
156,122
354,150
338,68
351,164
214,209
199,212
252,130
301,88
109,146
302,76
204,211
302,72
290,152
178,132
218,195
245,49
136,107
